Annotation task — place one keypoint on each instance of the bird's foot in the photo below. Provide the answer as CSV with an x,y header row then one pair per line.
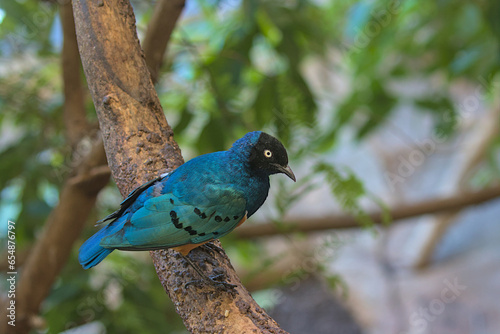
x,y
212,248
211,280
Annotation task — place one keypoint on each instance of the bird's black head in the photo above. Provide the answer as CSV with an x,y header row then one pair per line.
x,y
269,155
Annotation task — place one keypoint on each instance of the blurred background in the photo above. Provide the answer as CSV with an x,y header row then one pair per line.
x,y
390,113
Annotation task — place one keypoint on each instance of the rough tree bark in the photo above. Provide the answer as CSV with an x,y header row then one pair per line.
x,y
139,145
88,176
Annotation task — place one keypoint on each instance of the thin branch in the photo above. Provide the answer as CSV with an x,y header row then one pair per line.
x,y
165,17
341,221
486,132
75,120
441,224
140,145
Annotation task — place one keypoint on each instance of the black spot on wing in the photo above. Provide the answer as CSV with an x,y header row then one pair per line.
x,y
176,223
227,219
190,230
172,201
200,214
202,234
175,219
236,217
218,219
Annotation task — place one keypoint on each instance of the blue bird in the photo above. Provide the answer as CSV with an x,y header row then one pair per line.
x,y
202,200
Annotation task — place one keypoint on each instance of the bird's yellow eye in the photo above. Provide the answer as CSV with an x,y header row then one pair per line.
x,y
268,153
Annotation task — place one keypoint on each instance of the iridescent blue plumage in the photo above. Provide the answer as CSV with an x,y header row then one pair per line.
x,y
204,199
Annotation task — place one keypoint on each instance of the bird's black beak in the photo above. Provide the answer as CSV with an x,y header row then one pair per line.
x,y
286,170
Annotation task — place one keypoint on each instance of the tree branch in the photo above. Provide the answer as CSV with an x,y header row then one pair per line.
x,y
481,138
78,195
91,174
160,28
140,145
341,221
51,251
75,120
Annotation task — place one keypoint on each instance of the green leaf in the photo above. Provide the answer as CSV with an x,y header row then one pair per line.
x,y
347,189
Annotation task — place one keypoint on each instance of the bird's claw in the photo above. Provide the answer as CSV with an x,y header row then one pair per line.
x,y
223,284
214,248
211,280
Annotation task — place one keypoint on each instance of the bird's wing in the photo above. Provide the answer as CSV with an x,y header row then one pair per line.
x,y
125,204
169,220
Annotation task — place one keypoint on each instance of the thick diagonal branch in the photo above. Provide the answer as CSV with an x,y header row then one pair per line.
x,y
139,144
78,195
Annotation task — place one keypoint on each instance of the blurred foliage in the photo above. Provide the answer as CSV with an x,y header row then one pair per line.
x,y
233,66
347,190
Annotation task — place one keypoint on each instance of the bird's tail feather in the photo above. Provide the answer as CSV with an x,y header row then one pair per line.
x,y
91,253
